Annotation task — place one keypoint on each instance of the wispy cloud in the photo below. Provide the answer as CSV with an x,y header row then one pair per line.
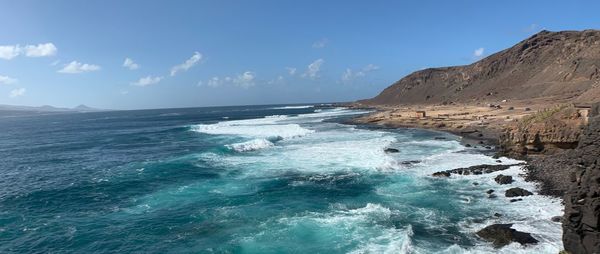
x,y
130,64
291,70
77,67
40,50
9,51
478,52
6,80
320,43
245,79
313,69
17,92
187,64
350,75
146,81
279,80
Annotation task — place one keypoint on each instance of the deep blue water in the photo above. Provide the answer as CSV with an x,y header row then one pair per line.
x,y
260,179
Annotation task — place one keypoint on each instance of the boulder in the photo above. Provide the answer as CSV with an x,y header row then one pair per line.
x,y
441,174
517,192
489,191
391,150
502,234
502,179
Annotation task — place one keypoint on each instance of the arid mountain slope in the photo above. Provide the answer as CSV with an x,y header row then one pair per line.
x,y
551,65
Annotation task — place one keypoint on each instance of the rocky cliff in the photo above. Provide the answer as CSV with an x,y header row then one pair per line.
x,y
553,65
547,131
581,224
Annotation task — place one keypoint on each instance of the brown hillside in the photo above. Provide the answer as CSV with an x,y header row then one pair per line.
x,y
552,65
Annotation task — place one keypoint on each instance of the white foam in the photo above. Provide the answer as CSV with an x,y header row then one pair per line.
x,y
294,107
252,145
284,131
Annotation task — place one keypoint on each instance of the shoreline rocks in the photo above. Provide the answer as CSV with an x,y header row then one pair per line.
x,y
474,170
502,179
502,234
517,192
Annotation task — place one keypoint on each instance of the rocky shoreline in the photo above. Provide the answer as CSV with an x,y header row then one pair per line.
x,y
557,170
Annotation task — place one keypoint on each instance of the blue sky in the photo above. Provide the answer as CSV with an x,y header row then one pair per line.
x,y
203,53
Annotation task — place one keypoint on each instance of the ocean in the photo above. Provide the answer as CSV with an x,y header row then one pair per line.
x,y
255,179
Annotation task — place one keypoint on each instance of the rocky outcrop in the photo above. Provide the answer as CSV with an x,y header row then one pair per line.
x,y
560,65
474,170
502,234
517,192
581,224
548,131
502,179
391,150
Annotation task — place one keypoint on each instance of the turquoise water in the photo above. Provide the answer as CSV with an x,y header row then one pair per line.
x,y
263,179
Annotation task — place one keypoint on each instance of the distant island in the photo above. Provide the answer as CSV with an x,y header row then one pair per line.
x,y
48,109
535,101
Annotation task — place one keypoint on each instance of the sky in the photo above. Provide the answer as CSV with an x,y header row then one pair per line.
x,y
142,54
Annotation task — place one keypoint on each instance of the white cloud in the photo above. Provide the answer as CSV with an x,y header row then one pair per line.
x,y
40,50
320,43
350,75
17,92
478,52
187,64
146,81
278,80
291,70
245,80
6,80
9,51
216,81
77,67
129,64
313,69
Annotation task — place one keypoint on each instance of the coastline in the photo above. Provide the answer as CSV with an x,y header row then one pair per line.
x,y
487,141
495,129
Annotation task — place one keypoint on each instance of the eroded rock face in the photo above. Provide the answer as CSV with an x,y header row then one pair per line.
x,y
548,131
502,234
581,224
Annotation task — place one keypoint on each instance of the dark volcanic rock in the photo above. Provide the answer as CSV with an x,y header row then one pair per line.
x,y
441,174
502,234
502,179
391,150
517,192
556,218
474,170
489,191
410,162
581,224
515,200
492,196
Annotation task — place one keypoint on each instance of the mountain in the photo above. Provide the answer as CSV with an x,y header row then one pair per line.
x,y
549,65
47,109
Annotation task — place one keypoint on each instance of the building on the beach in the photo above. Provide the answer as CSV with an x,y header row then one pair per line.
x,y
583,110
420,113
